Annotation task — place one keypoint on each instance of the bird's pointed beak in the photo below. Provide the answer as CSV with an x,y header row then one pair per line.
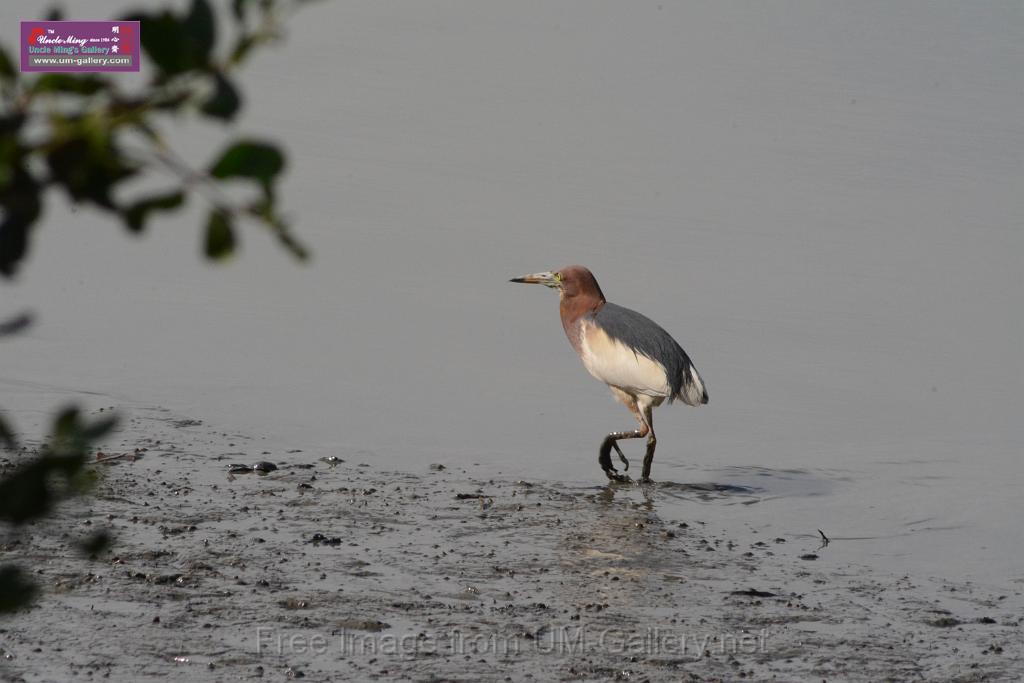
x,y
546,279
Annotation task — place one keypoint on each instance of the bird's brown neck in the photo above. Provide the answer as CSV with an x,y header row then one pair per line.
x,y
574,309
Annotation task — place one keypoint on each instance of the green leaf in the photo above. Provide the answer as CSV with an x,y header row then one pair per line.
x,y
16,591
177,45
78,84
28,493
22,205
73,437
13,242
65,424
163,39
202,27
135,215
7,435
14,325
249,159
33,488
95,543
89,166
220,238
225,100
10,124
11,150
8,72
99,428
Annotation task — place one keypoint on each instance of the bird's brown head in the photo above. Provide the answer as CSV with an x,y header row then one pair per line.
x,y
579,296
572,282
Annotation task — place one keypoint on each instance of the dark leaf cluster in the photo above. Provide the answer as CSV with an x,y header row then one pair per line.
x,y
33,487
84,135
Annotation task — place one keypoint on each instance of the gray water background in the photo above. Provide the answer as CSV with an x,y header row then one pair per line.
x,y
821,201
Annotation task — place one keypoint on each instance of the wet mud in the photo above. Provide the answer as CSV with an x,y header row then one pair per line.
x,y
327,567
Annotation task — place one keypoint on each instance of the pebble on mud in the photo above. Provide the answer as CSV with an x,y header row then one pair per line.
x,y
294,603
261,467
321,539
754,593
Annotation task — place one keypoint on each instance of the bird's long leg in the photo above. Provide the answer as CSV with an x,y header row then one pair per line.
x,y
652,441
611,441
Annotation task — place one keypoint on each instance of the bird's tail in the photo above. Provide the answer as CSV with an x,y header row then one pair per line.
x,y
693,391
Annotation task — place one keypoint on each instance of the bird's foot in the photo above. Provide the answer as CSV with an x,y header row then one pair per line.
x,y
622,456
614,475
604,459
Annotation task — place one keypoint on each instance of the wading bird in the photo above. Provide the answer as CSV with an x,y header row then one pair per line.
x,y
639,361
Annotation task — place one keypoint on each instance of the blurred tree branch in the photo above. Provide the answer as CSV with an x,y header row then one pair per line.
x,y
85,135
72,131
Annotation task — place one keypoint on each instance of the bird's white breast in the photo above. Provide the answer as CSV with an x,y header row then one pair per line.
x,y
614,363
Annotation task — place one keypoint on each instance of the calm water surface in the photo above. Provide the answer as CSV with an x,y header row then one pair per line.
x,y
821,202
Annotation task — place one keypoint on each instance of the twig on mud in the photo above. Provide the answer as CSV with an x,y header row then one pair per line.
x,y
130,457
824,539
754,593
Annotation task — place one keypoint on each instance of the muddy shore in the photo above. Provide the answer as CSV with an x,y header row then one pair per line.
x,y
329,568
